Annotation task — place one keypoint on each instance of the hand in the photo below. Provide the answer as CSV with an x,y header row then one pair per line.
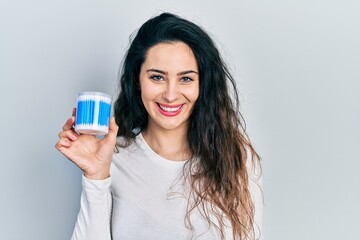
x,y
92,155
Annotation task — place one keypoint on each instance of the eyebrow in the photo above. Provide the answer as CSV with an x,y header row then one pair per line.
x,y
165,73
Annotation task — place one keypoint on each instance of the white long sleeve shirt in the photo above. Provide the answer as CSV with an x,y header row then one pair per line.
x,y
145,199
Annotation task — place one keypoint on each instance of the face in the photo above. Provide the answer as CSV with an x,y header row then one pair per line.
x,y
169,83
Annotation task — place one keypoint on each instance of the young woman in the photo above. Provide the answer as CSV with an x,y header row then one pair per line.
x,y
177,163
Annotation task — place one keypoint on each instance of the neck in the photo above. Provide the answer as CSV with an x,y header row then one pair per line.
x,y
169,144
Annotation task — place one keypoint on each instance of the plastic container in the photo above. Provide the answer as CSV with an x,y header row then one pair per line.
x,y
93,113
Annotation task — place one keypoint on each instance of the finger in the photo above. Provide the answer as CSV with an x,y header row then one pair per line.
x,y
62,143
73,112
69,123
113,130
70,134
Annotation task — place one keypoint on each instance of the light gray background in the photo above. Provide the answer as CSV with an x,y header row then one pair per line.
x,y
297,65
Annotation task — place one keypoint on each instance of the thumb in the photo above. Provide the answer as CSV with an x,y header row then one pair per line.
x,y
113,130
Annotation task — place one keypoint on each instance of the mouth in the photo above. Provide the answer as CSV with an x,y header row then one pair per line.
x,y
169,110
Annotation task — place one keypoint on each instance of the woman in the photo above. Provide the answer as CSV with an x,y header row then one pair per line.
x,y
183,167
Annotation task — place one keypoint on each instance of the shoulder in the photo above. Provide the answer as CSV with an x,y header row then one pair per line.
x,y
123,147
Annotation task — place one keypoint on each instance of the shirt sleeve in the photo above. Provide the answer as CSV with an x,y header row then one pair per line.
x,y
93,221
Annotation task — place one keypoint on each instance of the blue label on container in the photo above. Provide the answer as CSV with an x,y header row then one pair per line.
x,y
92,112
85,112
104,113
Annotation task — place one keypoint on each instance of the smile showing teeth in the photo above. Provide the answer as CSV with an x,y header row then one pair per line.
x,y
169,109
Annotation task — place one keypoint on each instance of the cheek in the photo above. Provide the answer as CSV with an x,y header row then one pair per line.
x,y
193,94
149,92
146,100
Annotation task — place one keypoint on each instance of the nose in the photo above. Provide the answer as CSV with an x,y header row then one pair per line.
x,y
171,91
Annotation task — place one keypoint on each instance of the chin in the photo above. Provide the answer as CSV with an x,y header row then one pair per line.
x,y
173,125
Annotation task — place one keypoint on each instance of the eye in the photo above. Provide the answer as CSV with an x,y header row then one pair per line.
x,y
156,78
186,79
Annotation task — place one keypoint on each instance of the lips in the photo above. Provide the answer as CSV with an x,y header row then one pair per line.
x,y
169,110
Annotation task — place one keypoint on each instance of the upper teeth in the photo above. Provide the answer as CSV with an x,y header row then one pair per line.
x,y
169,109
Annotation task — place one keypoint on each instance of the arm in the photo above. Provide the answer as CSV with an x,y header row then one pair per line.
x,y
93,222
93,156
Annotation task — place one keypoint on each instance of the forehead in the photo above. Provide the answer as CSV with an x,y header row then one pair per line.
x,y
172,55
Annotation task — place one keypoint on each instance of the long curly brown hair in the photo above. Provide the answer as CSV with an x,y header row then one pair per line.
x,y
216,132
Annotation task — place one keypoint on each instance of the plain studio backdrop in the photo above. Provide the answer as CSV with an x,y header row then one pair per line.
x,y
297,67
